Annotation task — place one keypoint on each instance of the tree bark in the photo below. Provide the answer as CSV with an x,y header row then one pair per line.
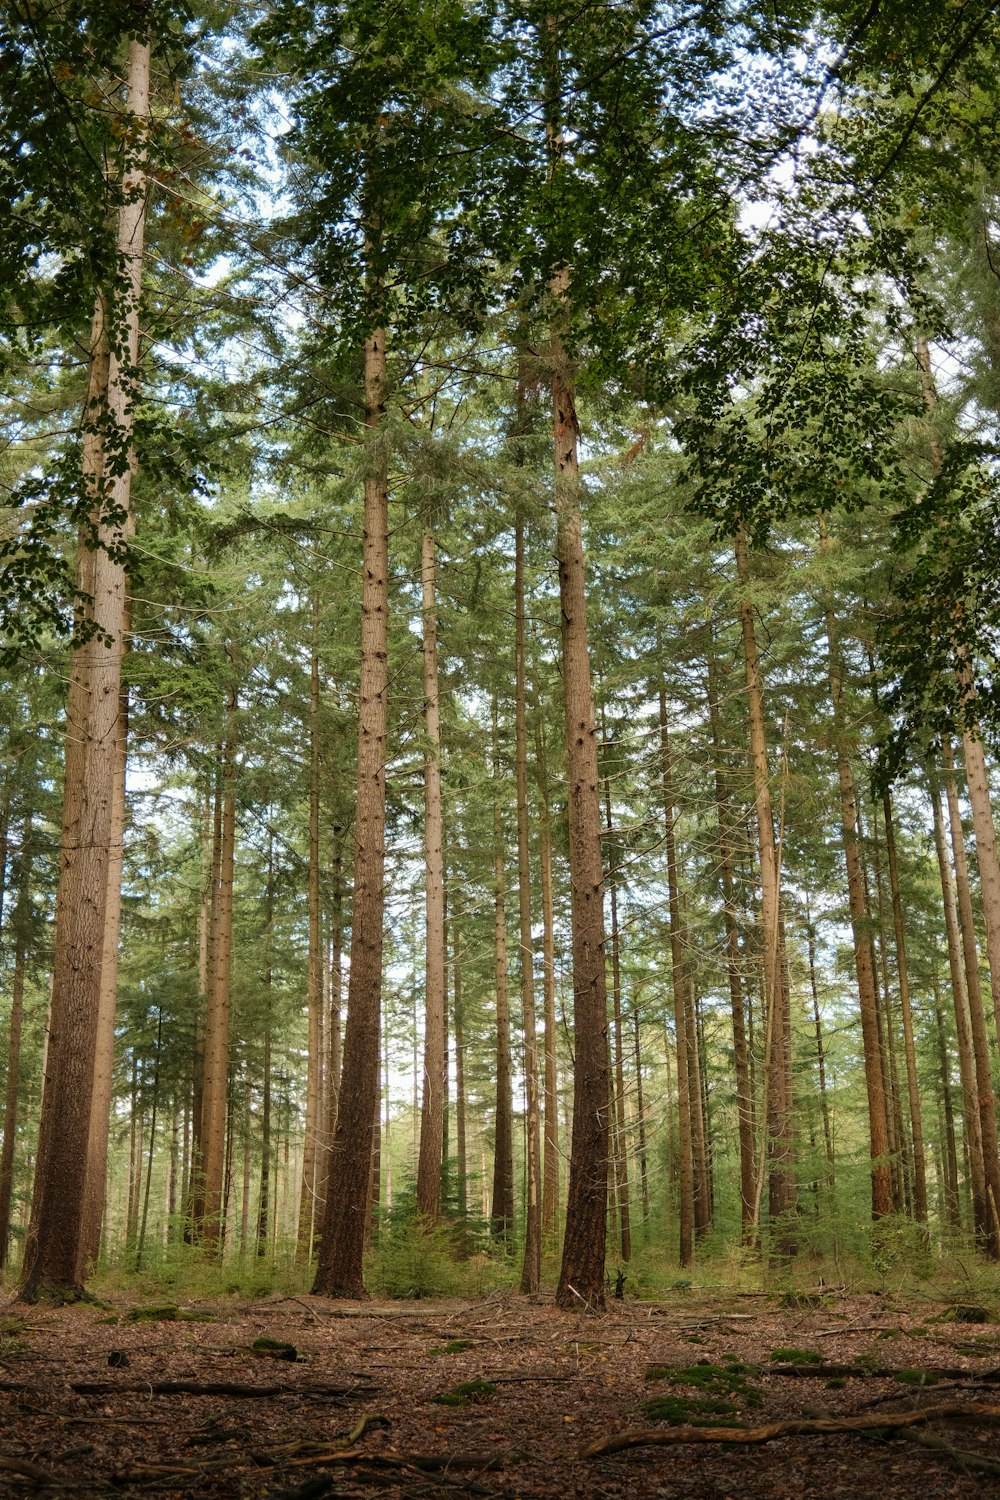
x,y
502,1209
744,1095
209,1225
619,1148
777,1115
531,1270
55,1253
339,1271
988,1230
581,1277
22,939
435,998
878,1124
685,1161
963,1024
550,1174
313,1146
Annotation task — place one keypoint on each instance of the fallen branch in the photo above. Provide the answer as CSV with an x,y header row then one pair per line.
x,y
210,1388
977,1463
826,1370
645,1437
23,1466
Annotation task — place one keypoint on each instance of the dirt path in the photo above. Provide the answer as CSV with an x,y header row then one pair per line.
x,y
100,1403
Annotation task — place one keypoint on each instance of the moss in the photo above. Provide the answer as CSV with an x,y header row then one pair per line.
x,y
796,1357
698,1411
836,1384
915,1377
166,1312
466,1392
453,1346
274,1349
717,1382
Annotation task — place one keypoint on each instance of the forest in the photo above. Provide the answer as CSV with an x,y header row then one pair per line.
x,y
500,532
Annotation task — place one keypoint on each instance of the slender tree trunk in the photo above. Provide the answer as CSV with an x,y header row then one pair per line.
x,y
744,1095
339,1272
777,1084
55,1254
949,1152
502,1210
550,1175
209,1228
154,1106
989,1230
336,987
620,1152
878,1120
640,1110
820,1056
899,1143
963,1024
902,971
531,1270
685,1161
313,1147
264,1197
435,998
22,937
986,854
461,1142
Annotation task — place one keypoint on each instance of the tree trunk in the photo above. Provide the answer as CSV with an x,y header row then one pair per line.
x,y
435,998
989,1230
777,1083
339,1272
685,1162
581,1277
820,1054
264,1197
313,1146
209,1225
461,1142
531,1270
550,1174
22,938
502,1210
619,1148
744,1095
54,1260
949,1152
881,1178
902,971
963,1024
986,855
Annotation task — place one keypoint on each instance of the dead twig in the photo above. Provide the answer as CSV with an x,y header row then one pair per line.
x,y
24,1467
645,1437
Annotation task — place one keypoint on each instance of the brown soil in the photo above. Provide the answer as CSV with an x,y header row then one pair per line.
x,y
560,1383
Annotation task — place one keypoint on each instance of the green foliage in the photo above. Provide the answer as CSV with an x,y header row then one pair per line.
x,y
714,1381
796,1356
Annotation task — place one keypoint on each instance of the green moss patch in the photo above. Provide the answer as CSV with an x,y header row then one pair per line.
x,y
915,1377
453,1346
693,1411
274,1349
796,1357
713,1382
466,1393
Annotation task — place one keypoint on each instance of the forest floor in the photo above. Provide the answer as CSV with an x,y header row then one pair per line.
x,y
500,1397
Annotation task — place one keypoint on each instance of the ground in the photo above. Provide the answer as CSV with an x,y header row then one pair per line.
x,y
119,1400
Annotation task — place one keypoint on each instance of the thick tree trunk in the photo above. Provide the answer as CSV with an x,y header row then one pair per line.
x,y
685,1134
313,1145
502,1209
963,1024
777,1084
435,997
339,1272
581,1278
209,1225
54,1260
531,1270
